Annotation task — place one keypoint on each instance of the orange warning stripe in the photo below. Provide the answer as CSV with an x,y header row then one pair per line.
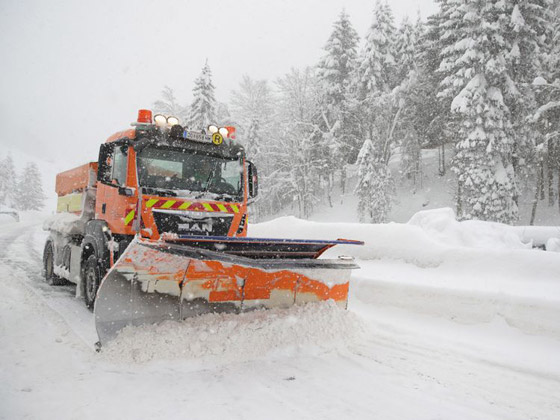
x,y
172,204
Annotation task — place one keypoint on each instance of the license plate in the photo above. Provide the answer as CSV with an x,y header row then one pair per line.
x,y
197,136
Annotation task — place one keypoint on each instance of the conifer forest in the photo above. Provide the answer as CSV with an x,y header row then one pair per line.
x,y
477,83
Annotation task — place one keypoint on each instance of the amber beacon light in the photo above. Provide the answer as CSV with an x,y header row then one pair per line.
x,y
144,116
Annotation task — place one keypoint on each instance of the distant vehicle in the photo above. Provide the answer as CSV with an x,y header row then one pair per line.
x,y
10,212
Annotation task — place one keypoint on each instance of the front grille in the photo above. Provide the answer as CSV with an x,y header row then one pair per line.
x,y
182,224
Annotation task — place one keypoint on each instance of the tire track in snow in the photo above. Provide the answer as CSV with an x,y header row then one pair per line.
x,y
18,253
512,391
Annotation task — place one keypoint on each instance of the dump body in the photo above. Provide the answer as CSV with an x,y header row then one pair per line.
x,y
72,187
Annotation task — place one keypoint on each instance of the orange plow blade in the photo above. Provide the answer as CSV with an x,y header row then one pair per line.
x,y
154,281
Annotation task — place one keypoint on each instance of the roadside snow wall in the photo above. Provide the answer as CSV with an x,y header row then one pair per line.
x,y
468,271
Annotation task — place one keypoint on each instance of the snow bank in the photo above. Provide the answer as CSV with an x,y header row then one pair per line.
x,y
392,240
553,244
442,225
529,306
470,271
226,338
425,240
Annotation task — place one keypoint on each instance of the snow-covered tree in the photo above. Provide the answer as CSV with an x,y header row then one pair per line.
x,y
223,115
408,95
379,110
335,71
411,162
547,116
252,112
202,111
476,64
406,45
8,182
376,70
336,66
428,113
30,189
529,22
252,106
375,186
295,174
168,105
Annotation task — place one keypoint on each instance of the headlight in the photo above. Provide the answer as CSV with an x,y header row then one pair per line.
x,y
224,132
171,121
212,129
160,120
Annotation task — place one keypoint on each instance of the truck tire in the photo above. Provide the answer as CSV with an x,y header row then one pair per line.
x,y
92,278
48,265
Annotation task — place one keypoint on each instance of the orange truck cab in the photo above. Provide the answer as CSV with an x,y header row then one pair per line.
x,y
156,179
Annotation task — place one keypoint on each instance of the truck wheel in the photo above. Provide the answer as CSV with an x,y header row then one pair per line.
x,y
48,264
92,279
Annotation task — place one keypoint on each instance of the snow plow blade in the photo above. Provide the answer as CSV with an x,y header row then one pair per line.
x,y
182,277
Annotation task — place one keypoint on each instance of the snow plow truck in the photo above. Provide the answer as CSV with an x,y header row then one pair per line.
x,y
156,229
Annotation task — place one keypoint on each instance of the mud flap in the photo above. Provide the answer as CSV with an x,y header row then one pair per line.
x,y
154,281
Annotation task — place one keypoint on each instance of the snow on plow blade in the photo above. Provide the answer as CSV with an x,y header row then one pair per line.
x,y
154,281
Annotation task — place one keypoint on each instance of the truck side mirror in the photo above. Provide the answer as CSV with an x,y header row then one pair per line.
x,y
104,163
253,180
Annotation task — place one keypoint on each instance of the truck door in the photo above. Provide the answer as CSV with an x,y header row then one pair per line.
x,y
114,200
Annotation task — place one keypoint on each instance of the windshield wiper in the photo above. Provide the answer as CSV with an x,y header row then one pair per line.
x,y
208,183
160,191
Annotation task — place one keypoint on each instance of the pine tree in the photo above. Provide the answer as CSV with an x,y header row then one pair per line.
x,y
252,110
31,196
406,49
340,143
375,186
375,79
476,64
430,112
252,107
527,30
408,95
8,182
296,169
376,71
547,115
379,111
411,167
223,116
202,111
336,66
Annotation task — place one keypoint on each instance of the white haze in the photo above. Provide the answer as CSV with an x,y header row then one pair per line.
x,y
74,72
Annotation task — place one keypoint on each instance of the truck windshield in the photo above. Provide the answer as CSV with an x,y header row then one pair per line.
x,y
178,170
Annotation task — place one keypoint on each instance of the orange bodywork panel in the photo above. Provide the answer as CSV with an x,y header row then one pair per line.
x,y
113,208
221,281
130,133
156,281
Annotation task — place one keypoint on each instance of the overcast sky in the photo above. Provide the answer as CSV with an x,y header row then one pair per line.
x,y
74,72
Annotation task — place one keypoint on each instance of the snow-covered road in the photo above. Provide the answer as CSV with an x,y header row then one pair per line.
x,y
401,353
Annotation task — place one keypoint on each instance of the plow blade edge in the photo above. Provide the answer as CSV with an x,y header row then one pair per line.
x,y
154,281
